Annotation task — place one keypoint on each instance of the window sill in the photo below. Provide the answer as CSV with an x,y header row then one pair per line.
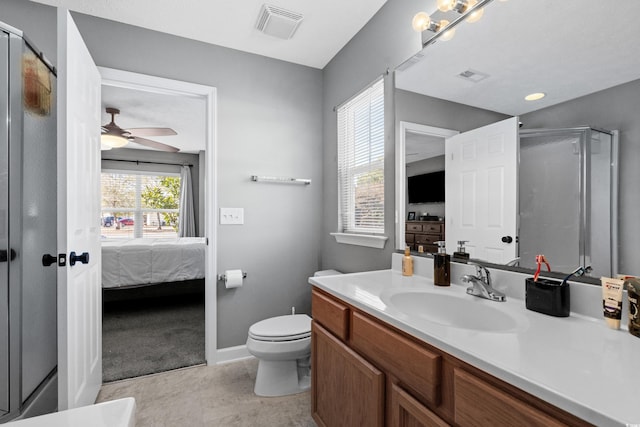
x,y
361,240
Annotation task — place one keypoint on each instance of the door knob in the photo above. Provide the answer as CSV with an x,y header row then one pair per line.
x,y
47,260
83,258
4,253
507,239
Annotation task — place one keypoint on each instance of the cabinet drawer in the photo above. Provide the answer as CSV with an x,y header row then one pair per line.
x,y
480,404
416,368
409,237
432,228
330,313
414,227
427,238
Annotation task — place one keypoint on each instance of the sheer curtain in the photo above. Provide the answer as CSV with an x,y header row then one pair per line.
x,y
186,221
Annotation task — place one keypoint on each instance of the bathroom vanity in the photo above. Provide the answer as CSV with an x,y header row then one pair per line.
x,y
397,351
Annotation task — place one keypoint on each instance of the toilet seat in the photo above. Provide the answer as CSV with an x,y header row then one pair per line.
x,y
282,328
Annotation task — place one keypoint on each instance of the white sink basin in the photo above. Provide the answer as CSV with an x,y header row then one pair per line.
x,y
457,311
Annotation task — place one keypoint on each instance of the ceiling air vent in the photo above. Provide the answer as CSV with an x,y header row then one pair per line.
x,y
472,75
278,22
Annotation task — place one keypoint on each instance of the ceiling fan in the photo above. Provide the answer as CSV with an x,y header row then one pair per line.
x,y
114,136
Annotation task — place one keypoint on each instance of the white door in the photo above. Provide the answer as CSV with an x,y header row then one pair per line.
x,y
481,191
79,285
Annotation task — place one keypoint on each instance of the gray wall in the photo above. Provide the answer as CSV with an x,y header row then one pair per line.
x,y
385,42
615,108
37,21
269,123
197,176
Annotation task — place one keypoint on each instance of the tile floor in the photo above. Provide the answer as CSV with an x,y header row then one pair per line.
x,y
209,396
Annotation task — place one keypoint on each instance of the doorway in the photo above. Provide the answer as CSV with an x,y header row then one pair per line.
x,y
202,164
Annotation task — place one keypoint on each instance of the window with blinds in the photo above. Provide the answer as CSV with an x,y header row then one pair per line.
x,y
361,161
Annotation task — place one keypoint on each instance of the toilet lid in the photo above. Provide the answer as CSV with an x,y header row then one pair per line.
x,y
282,328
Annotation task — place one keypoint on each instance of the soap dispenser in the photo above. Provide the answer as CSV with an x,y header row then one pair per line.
x,y
407,263
441,261
461,254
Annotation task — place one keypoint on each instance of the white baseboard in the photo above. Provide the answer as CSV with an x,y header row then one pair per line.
x,y
232,354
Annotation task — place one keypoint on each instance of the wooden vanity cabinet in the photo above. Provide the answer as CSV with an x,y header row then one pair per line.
x,y
366,372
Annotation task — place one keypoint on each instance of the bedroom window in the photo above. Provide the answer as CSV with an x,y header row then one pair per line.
x,y
139,205
361,162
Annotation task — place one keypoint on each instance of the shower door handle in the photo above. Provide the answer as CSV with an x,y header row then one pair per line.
x,y
3,255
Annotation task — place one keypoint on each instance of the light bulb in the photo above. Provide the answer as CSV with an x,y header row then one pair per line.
x,y
421,21
476,14
114,141
447,35
445,5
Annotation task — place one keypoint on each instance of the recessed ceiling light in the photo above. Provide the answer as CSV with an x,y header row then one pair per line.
x,y
535,96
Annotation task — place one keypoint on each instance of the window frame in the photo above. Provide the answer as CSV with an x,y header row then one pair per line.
x,y
349,169
137,210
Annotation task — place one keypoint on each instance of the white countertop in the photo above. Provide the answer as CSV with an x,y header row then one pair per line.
x,y
575,363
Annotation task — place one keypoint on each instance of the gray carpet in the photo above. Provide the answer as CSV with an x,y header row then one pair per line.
x,y
146,336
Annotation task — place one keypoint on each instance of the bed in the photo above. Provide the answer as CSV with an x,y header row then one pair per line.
x,y
137,262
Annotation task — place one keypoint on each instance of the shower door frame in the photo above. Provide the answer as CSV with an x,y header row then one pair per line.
x,y
4,271
584,188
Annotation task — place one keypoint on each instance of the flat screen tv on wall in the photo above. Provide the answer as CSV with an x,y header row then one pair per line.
x,y
426,188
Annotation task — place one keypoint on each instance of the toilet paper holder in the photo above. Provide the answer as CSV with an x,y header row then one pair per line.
x,y
224,276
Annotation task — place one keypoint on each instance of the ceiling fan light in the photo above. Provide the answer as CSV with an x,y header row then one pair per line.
x,y
113,141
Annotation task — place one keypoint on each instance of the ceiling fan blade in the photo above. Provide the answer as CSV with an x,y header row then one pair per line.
x,y
152,131
154,144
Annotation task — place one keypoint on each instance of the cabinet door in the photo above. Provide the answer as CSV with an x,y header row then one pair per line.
x,y
480,404
408,412
346,389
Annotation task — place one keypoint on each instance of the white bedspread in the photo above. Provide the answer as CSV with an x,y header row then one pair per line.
x,y
146,261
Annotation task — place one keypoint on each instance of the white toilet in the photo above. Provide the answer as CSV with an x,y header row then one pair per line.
x,y
283,347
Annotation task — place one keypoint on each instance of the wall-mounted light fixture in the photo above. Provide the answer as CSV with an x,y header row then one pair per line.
x,y
469,10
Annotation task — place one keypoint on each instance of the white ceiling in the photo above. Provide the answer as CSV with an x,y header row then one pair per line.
x,y
567,49
326,28
185,115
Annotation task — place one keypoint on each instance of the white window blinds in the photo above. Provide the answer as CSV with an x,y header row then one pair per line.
x,y
361,161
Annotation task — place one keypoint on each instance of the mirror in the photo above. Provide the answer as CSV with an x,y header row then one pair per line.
x,y
590,79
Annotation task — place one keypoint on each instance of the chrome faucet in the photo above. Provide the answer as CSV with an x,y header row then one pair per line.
x,y
514,262
482,284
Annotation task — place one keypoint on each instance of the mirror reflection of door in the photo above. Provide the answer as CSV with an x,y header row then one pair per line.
x,y
481,191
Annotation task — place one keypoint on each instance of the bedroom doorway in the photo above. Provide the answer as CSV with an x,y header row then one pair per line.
x,y
158,285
